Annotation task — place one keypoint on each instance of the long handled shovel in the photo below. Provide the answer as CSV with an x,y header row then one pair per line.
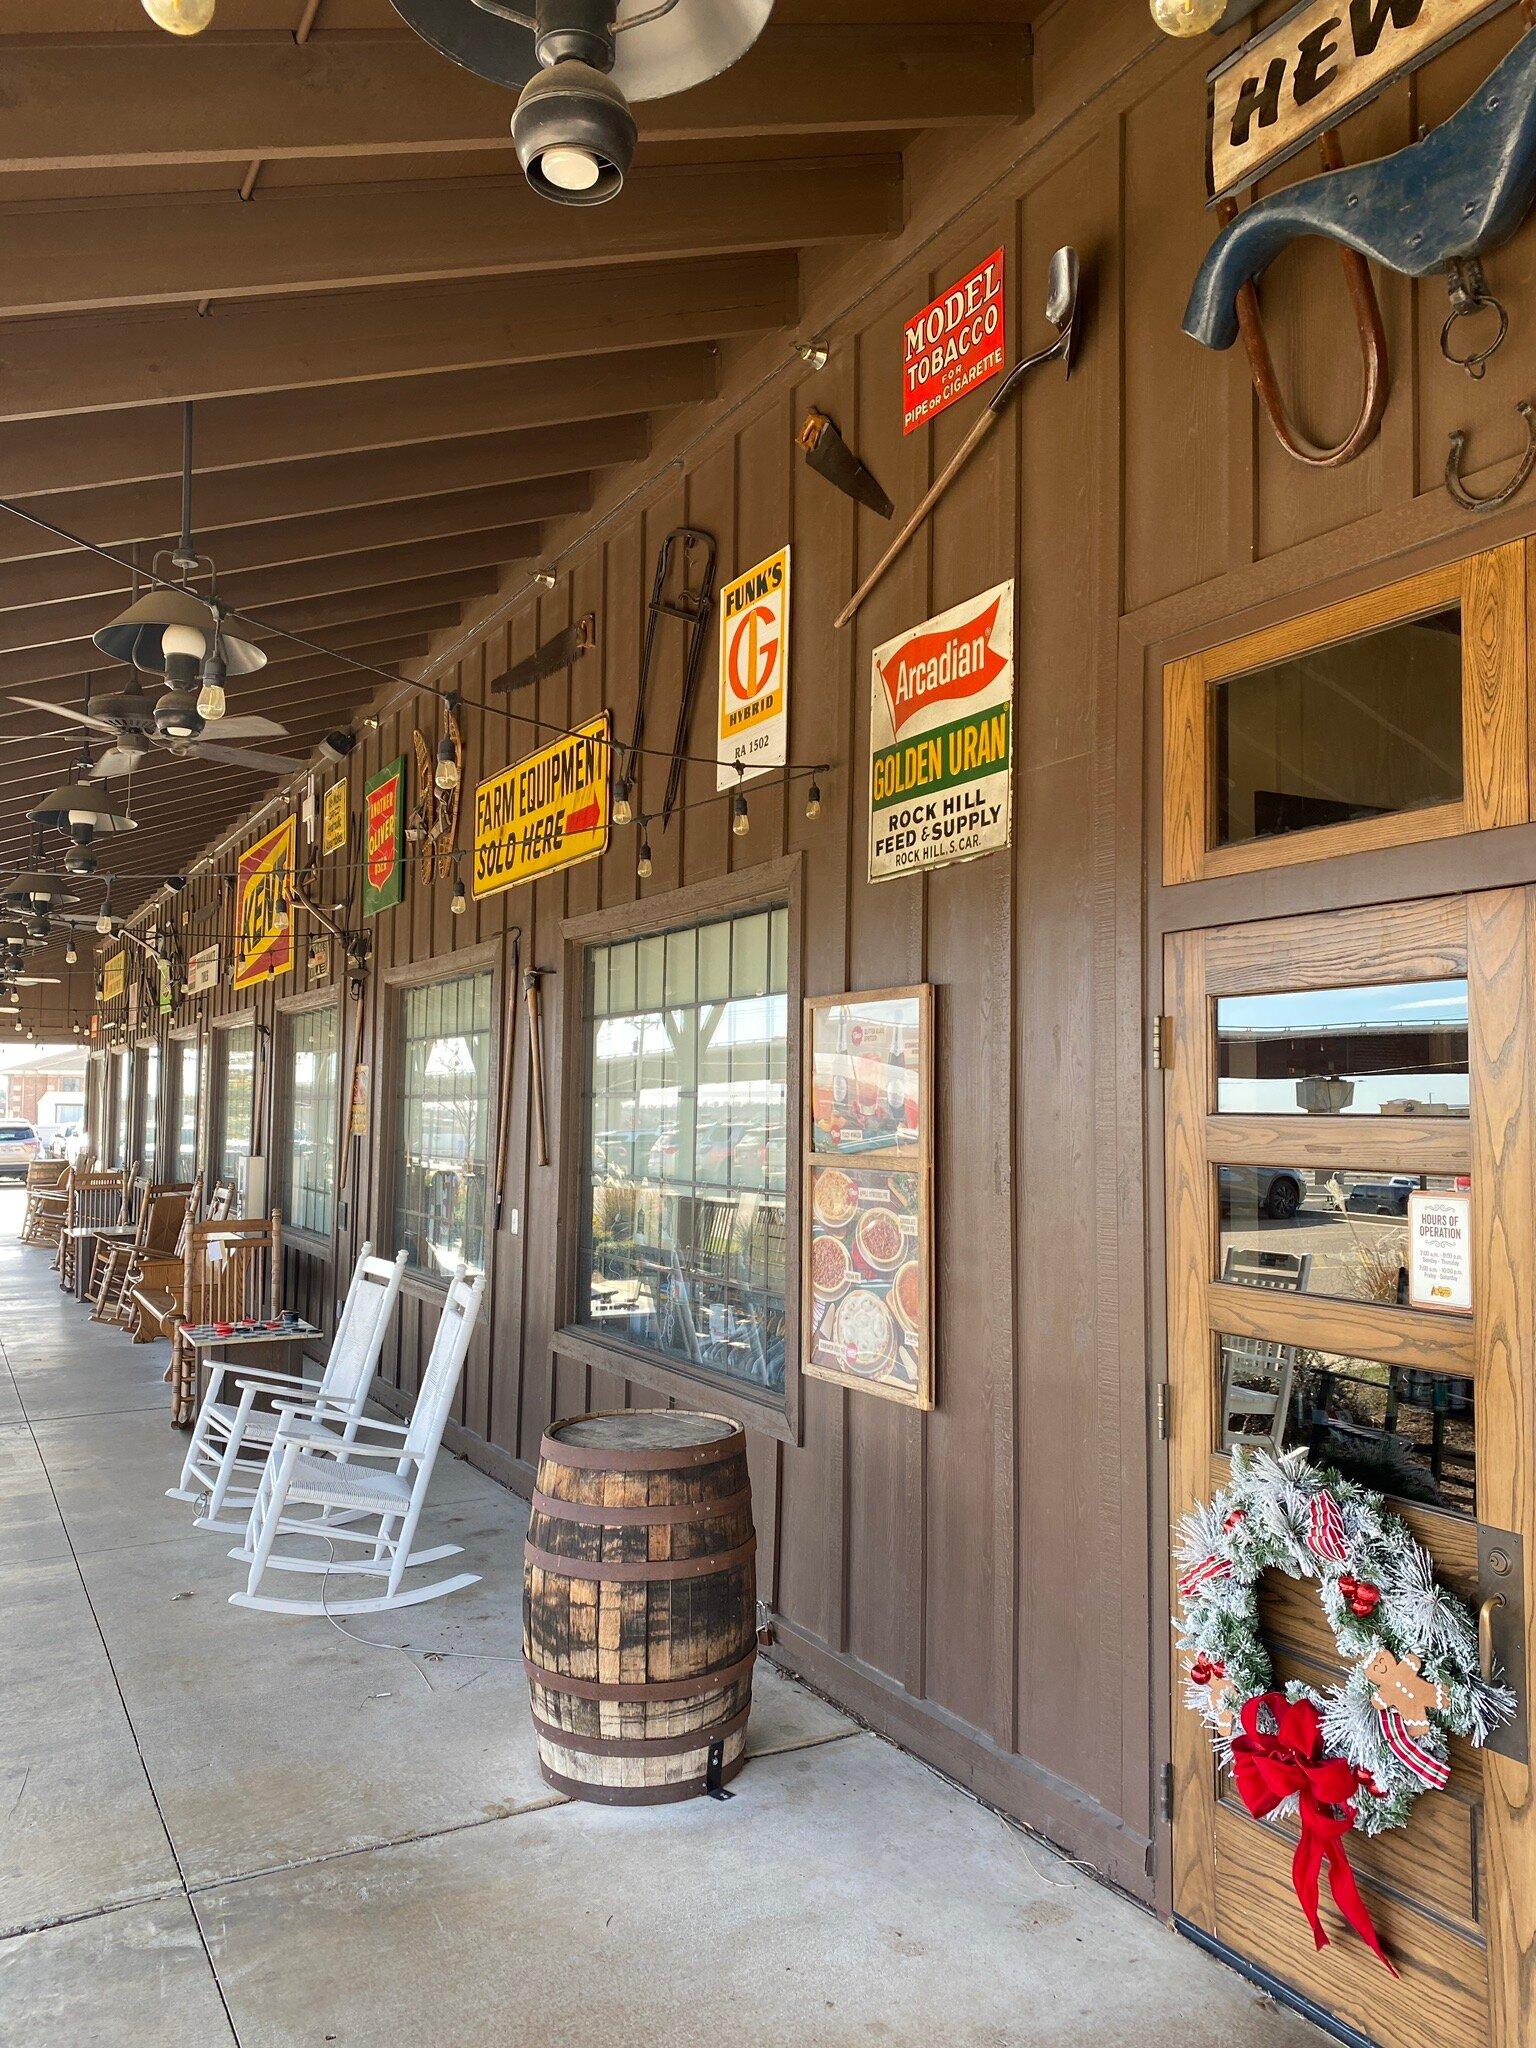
x,y
1061,311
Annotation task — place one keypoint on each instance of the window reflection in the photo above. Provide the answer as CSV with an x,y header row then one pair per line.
x,y
237,1053
1395,1050
312,1119
687,1144
149,1116
187,1064
1356,730
1409,1434
1342,1234
445,1095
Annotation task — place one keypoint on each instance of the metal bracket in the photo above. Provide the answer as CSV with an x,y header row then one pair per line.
x,y
1162,1042
1501,1613
1162,1409
712,1772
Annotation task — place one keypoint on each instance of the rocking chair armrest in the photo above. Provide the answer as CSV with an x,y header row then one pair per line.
x,y
264,1382
332,1411
161,1271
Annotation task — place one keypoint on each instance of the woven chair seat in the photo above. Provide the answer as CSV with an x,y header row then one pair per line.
x,y
331,1485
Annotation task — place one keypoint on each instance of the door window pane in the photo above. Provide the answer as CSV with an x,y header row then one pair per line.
x,y
149,1112
311,1087
1396,1050
1341,1234
188,1063
1355,730
445,1108
683,1247
236,1074
1409,1434
122,1112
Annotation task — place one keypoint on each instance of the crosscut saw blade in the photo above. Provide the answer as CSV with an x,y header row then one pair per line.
x,y
830,456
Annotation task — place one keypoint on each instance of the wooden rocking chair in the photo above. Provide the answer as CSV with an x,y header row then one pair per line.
x,y
231,1271
163,1213
96,1200
44,1177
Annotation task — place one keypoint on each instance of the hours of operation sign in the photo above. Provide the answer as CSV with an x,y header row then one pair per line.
x,y
1440,1251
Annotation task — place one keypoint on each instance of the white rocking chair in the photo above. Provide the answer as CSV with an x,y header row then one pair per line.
x,y
337,1478
233,1437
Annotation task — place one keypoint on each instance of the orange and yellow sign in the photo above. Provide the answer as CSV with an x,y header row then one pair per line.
x,y
547,811
754,671
263,912
114,977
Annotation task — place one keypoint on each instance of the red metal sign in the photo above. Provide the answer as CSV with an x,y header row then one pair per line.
x,y
954,344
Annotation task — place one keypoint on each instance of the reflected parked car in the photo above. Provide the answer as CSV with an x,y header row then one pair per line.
x,y
1381,1197
19,1146
1273,1191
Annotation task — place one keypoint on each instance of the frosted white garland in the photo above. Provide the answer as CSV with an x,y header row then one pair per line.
x,y
1263,1520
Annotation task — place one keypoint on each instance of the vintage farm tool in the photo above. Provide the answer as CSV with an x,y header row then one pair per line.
x,y
531,982
511,980
557,654
434,823
1368,325
830,456
1061,310
695,604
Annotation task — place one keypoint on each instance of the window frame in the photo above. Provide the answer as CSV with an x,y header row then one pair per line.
x,y
217,1088
775,882
384,1120
174,1061
1489,589
145,1050
322,1243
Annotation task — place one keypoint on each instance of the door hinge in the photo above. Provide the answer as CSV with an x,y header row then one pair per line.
x,y
1162,1042
1165,1790
1162,1405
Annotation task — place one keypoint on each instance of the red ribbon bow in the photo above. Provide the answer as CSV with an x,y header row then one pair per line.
x,y
1270,1768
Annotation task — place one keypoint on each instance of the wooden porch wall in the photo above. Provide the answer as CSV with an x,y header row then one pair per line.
x,y
977,1582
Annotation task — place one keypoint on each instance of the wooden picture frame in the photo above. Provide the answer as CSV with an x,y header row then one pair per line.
x,y
867,1146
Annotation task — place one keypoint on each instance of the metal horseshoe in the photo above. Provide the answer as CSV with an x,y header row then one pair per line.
x,y
1373,348
1469,501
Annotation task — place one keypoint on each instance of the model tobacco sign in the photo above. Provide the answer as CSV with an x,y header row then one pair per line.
x,y
1305,72
545,812
754,671
263,896
954,344
941,739
383,838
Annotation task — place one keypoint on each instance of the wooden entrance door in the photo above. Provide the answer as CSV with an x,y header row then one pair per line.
x,y
1321,1069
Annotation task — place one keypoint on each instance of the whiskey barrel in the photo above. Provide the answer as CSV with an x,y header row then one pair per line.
x,y
639,1608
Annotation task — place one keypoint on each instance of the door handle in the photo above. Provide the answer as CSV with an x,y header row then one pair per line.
x,y
1485,1615
1501,1630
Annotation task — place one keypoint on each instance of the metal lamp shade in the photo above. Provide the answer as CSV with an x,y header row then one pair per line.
x,y
37,892
135,635
696,40
79,799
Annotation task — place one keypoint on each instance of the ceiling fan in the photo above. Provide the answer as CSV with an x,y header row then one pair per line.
x,y
137,723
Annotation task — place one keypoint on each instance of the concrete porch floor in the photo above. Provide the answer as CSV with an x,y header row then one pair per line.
x,y
225,1827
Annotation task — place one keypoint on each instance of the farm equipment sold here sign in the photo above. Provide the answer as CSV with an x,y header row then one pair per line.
x,y
941,739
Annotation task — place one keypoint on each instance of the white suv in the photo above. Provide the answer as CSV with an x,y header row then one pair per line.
x,y
19,1146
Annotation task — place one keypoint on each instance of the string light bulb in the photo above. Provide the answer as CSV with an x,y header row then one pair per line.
x,y
104,915
180,17
459,902
813,799
211,701
1185,17
446,773
623,809
741,822
643,864
70,955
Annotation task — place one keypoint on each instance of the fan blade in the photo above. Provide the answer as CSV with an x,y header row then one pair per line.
x,y
66,711
35,980
241,757
253,727
115,762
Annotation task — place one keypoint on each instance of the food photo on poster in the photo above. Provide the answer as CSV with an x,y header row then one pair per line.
x,y
865,1084
866,1277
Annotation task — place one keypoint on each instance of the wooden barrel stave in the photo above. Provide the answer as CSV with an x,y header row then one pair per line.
x,y
622,1646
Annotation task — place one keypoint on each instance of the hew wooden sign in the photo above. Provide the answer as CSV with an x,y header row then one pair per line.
x,y
955,343
754,671
203,971
263,913
545,812
1313,67
941,739
333,819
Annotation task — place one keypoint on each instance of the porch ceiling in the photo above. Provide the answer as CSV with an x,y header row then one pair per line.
x,y
405,363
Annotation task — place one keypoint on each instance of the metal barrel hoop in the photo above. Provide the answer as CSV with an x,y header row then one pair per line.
x,y
1368,325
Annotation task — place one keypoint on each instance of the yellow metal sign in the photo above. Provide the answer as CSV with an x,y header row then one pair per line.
x,y
114,976
333,822
545,812
263,918
754,671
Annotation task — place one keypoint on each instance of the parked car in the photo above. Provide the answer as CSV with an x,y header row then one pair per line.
x,y
1273,1191
1381,1197
19,1146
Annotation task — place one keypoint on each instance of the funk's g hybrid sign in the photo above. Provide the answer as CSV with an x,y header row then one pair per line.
x,y
754,671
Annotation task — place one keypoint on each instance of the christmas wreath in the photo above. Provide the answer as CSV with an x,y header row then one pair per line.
x,y
1359,1755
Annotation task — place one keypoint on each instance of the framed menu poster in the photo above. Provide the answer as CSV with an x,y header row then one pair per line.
x,y
868,1250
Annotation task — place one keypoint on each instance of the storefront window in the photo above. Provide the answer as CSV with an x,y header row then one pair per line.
x,y
235,1072
187,1066
1343,1234
311,1098
445,1114
149,1112
686,1145
122,1108
1395,1050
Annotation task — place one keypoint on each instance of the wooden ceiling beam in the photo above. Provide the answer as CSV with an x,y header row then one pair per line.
x,y
241,499
139,443
335,577
79,658
76,365
223,100
72,256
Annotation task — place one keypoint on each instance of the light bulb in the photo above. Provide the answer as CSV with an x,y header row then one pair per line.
x,y
813,800
741,823
210,701
180,17
460,902
183,640
1187,17
70,955
446,773
643,864
623,809
570,169
104,924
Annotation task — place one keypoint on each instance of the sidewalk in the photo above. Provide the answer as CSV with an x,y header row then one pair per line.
x,y
222,1827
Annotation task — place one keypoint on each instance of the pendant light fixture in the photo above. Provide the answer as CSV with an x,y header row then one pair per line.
x,y
180,17
80,811
577,65
171,632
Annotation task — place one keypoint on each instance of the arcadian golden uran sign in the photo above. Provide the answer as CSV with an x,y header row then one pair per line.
x,y
263,913
545,812
941,739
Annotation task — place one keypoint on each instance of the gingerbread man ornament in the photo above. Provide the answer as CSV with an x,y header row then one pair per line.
x,y
1400,1686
